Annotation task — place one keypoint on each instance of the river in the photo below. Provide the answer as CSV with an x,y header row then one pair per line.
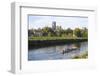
x,y
56,52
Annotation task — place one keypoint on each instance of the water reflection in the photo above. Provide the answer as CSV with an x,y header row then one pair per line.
x,y
56,52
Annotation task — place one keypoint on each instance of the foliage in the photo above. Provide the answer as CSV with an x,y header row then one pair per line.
x,y
77,32
81,56
59,32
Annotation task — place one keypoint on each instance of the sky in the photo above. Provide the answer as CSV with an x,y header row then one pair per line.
x,y
36,22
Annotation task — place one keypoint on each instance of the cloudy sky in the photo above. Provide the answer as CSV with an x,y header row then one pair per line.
x,y
36,22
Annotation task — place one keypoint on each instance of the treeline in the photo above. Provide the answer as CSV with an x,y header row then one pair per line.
x,y
58,32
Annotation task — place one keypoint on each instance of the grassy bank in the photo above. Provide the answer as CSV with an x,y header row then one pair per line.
x,y
81,56
38,42
54,38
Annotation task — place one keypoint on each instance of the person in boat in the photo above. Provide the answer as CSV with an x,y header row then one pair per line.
x,y
66,50
62,51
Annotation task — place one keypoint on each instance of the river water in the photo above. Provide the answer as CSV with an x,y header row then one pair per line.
x,y
56,52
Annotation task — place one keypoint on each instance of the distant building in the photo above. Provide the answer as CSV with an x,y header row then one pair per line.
x,y
38,33
54,25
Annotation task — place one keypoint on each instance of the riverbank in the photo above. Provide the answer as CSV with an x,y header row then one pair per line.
x,y
36,43
84,55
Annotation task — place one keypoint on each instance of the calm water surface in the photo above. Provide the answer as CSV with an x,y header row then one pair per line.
x,y
55,52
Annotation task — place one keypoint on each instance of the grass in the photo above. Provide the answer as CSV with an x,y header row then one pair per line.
x,y
50,41
81,56
52,38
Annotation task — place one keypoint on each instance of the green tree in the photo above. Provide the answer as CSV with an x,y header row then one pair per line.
x,y
84,32
69,32
77,32
59,31
50,34
30,32
47,31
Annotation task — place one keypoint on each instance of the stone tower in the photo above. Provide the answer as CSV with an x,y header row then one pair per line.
x,y
54,25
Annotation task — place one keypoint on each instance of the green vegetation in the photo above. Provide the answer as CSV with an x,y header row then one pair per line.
x,y
81,32
81,56
53,38
48,36
47,33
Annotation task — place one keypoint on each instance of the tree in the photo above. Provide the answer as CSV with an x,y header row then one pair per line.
x,y
47,31
58,30
84,32
69,32
50,34
30,32
77,32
